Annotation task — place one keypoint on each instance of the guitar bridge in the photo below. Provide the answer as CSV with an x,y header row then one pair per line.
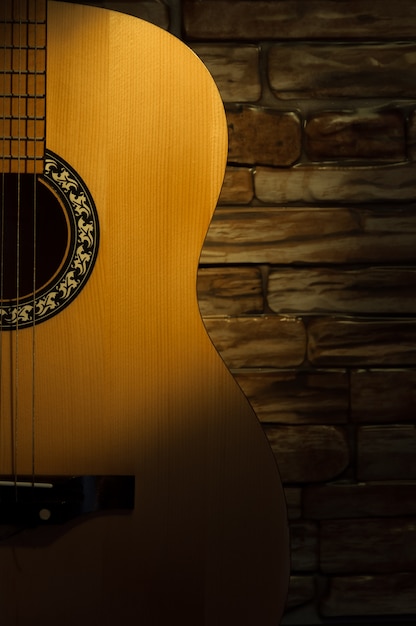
x,y
58,500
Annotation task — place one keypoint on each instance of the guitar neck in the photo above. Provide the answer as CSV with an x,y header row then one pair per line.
x,y
23,85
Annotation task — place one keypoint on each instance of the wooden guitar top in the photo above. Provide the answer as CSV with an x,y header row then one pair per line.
x,y
126,378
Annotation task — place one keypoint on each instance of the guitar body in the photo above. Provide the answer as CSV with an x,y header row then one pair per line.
x,y
126,379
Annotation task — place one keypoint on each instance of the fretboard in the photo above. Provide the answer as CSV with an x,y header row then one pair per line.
x,y
22,85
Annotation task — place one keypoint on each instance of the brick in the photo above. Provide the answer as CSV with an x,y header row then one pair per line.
x,y
267,137
235,70
312,235
237,187
371,290
314,184
304,19
263,341
368,546
293,497
348,71
386,452
411,132
297,397
380,396
301,590
230,290
344,501
309,453
303,546
357,136
334,341
375,595
154,11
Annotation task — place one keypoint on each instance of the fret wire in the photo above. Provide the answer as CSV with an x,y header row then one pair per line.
x,y
25,25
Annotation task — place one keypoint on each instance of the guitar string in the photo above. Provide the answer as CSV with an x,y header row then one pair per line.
x,y
35,134
19,164
3,159
7,123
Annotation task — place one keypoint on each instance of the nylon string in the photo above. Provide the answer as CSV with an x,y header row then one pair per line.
x,y
3,158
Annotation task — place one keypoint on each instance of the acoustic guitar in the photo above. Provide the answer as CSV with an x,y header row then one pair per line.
x,y
137,486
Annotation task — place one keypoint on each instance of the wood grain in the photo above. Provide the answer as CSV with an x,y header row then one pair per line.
x,y
127,380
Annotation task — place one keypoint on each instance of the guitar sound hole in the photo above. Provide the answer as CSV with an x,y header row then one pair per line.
x,y
27,241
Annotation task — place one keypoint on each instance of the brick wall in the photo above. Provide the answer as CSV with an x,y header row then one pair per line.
x,y
307,281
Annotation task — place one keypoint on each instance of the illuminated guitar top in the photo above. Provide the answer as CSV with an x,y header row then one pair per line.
x,y
121,379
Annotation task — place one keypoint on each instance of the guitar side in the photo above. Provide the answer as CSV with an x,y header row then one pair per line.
x,y
126,379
